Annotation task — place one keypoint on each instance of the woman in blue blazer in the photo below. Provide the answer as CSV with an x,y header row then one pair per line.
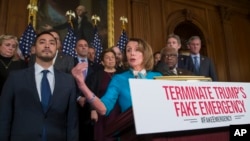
x,y
139,58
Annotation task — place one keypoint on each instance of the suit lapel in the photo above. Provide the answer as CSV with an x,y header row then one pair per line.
x,y
202,64
58,61
56,91
30,74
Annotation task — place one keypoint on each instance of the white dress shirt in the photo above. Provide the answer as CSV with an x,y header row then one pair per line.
x,y
39,75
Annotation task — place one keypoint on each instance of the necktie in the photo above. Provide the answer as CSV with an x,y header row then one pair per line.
x,y
45,96
196,64
45,91
85,71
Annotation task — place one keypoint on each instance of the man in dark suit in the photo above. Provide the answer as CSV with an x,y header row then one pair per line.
x,y
82,27
168,63
39,103
61,61
85,124
200,65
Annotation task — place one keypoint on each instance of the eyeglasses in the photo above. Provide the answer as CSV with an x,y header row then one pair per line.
x,y
170,55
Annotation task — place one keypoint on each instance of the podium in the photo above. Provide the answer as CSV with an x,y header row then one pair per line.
x,y
123,128
181,111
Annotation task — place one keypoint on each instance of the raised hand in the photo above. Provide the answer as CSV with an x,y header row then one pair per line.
x,y
77,72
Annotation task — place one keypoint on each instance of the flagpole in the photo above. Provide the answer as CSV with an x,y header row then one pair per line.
x,y
96,41
32,7
110,17
123,38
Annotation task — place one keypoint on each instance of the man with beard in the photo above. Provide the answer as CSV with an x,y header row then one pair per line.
x,y
39,103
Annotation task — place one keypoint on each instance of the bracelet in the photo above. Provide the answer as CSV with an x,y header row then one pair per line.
x,y
91,99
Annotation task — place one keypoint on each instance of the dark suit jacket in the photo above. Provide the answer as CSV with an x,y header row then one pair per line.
x,y
63,62
21,113
182,61
181,71
164,70
206,67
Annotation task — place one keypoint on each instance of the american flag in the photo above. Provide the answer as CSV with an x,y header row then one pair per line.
x,y
69,43
96,43
26,41
122,41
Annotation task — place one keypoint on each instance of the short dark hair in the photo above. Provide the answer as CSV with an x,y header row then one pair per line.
x,y
106,51
42,33
82,39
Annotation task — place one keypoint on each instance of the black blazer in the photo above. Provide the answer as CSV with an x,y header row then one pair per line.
x,y
21,113
182,61
164,70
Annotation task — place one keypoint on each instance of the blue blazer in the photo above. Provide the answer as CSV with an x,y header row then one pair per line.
x,y
118,89
21,113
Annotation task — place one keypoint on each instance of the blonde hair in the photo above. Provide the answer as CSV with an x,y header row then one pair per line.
x,y
8,37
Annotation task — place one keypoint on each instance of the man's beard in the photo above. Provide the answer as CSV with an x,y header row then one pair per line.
x,y
45,59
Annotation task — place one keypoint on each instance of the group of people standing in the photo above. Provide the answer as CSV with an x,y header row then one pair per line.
x,y
173,63
57,97
66,115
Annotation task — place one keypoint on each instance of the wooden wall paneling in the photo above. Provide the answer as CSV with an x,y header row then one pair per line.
x,y
140,20
233,67
3,16
194,14
17,17
121,8
241,31
179,12
216,41
156,22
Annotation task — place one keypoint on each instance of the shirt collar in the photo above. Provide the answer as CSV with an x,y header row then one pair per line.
x,y
39,68
80,59
195,55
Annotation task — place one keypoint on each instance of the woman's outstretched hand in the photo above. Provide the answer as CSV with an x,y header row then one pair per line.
x,y
78,72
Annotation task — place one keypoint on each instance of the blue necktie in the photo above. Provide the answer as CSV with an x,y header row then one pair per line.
x,y
45,96
45,91
196,65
